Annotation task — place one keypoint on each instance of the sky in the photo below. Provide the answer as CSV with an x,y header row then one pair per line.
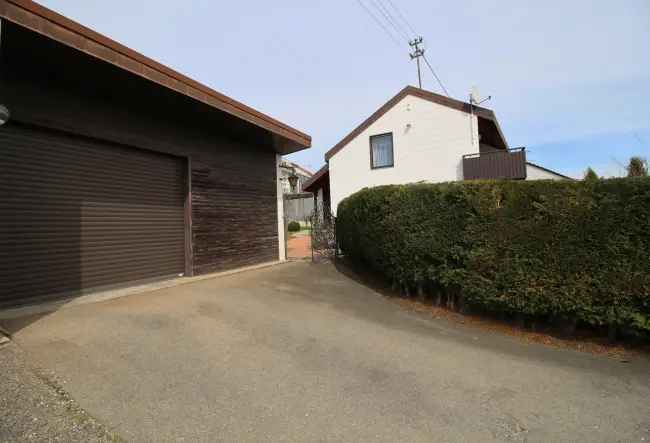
x,y
570,80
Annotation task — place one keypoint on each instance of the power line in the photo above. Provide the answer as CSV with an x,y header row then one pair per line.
x,y
390,34
392,21
418,52
379,8
435,75
379,5
399,13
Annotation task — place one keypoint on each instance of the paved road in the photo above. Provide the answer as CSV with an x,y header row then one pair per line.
x,y
299,352
36,410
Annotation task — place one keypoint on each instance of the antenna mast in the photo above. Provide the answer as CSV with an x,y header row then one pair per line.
x,y
416,54
475,100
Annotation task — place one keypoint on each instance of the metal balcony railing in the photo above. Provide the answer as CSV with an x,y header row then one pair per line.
x,y
501,164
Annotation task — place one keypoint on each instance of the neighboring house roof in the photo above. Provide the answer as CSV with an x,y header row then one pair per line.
x,y
550,171
39,19
299,169
303,171
316,180
494,133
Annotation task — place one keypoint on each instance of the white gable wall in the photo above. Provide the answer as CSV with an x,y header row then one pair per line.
x,y
535,173
431,149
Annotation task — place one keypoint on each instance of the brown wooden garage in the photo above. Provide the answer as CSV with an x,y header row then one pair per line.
x,y
86,214
116,169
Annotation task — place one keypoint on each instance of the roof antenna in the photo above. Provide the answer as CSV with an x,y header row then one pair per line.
x,y
475,97
475,100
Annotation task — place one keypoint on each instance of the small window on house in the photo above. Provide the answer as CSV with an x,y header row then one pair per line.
x,y
381,151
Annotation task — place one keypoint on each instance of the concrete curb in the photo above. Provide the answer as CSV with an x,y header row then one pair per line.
x,y
97,297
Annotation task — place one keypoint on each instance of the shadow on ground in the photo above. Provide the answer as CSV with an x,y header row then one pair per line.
x,y
585,340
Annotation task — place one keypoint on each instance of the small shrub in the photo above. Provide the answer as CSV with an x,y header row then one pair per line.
x,y
293,226
638,167
590,175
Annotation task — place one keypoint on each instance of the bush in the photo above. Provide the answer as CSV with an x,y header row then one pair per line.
x,y
561,249
590,174
293,226
638,167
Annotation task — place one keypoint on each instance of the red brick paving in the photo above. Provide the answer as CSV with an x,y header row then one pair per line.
x,y
299,246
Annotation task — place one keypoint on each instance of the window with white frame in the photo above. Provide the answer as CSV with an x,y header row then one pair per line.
x,y
381,151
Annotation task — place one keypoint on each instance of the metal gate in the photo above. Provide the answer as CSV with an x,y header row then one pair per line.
x,y
323,235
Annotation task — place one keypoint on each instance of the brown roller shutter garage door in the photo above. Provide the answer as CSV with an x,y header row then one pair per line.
x,y
80,214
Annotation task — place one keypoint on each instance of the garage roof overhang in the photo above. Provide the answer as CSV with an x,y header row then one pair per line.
x,y
37,18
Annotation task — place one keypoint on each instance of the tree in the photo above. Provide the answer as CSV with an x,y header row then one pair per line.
x,y
590,175
638,167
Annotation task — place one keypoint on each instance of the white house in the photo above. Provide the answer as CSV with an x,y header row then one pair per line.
x,y
537,172
421,136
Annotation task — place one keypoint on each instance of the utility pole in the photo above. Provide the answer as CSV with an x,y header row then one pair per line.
x,y
416,54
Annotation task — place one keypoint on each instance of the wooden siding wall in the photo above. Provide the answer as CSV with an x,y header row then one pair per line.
x,y
234,212
234,218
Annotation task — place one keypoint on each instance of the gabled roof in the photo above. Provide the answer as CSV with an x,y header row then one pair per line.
x,y
37,18
482,113
313,183
550,171
302,170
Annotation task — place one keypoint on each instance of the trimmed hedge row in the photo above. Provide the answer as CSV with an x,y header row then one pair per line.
x,y
578,250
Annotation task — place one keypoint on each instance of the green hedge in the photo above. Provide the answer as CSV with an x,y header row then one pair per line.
x,y
563,249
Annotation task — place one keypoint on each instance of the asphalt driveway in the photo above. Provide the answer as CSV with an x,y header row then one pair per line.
x,y
299,352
